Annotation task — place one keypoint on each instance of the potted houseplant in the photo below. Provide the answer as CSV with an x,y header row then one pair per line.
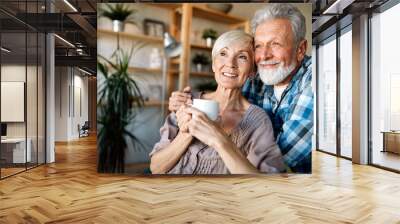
x,y
210,36
118,14
119,101
199,60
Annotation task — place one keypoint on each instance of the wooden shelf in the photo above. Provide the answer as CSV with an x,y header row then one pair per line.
x,y
204,12
131,36
147,70
170,6
150,70
201,47
175,61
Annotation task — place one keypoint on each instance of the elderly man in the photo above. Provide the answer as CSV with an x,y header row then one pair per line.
x,y
282,85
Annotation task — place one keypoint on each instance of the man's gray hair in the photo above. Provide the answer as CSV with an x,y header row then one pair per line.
x,y
230,37
282,11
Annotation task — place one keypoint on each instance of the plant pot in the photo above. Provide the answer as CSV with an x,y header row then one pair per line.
x,y
209,42
199,67
118,26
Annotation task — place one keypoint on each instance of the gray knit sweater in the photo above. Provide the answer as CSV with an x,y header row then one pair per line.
x,y
253,136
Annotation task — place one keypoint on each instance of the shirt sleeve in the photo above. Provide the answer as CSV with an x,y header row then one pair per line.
x,y
295,138
168,132
263,152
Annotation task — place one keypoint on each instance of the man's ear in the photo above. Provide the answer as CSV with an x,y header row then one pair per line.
x,y
301,50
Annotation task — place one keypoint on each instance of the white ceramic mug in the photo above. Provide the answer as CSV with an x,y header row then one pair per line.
x,y
209,107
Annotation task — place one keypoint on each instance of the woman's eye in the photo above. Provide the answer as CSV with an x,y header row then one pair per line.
x,y
222,53
257,46
244,57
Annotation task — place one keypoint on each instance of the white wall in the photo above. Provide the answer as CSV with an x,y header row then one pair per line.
x,y
15,73
33,126
67,115
61,105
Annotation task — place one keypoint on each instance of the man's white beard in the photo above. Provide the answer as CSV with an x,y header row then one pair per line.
x,y
277,75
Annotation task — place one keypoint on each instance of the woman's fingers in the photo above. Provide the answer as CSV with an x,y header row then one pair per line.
x,y
187,89
182,111
195,113
178,99
189,101
183,118
202,131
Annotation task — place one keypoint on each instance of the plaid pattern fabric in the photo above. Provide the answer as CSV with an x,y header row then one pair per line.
x,y
292,116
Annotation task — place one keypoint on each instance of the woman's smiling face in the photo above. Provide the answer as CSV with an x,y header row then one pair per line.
x,y
233,64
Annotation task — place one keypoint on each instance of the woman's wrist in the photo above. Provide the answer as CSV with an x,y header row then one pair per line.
x,y
220,142
184,135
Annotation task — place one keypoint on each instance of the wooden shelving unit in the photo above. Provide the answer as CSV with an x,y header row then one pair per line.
x,y
149,70
201,47
174,61
170,6
131,36
181,28
201,11
157,71
181,16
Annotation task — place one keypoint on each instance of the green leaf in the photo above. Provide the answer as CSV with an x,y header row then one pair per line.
x,y
119,99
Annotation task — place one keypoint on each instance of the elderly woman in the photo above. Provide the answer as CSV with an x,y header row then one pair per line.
x,y
241,141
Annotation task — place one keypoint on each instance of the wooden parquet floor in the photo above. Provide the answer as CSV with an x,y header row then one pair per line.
x,y
71,191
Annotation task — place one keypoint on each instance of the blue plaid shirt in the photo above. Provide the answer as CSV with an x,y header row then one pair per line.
x,y
292,116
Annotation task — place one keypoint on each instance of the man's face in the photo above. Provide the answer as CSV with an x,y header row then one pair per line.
x,y
275,50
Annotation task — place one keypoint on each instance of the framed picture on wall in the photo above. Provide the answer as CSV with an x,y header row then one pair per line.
x,y
154,27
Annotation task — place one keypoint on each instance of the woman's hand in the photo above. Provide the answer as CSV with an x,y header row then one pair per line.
x,y
204,129
183,118
178,99
212,134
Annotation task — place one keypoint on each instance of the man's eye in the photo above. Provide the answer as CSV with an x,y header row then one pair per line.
x,y
257,46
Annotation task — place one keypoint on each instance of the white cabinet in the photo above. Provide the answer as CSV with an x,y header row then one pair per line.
x,y
18,149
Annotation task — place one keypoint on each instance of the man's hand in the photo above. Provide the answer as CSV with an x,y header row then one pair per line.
x,y
178,99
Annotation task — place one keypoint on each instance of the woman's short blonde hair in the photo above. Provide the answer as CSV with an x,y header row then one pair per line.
x,y
229,37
